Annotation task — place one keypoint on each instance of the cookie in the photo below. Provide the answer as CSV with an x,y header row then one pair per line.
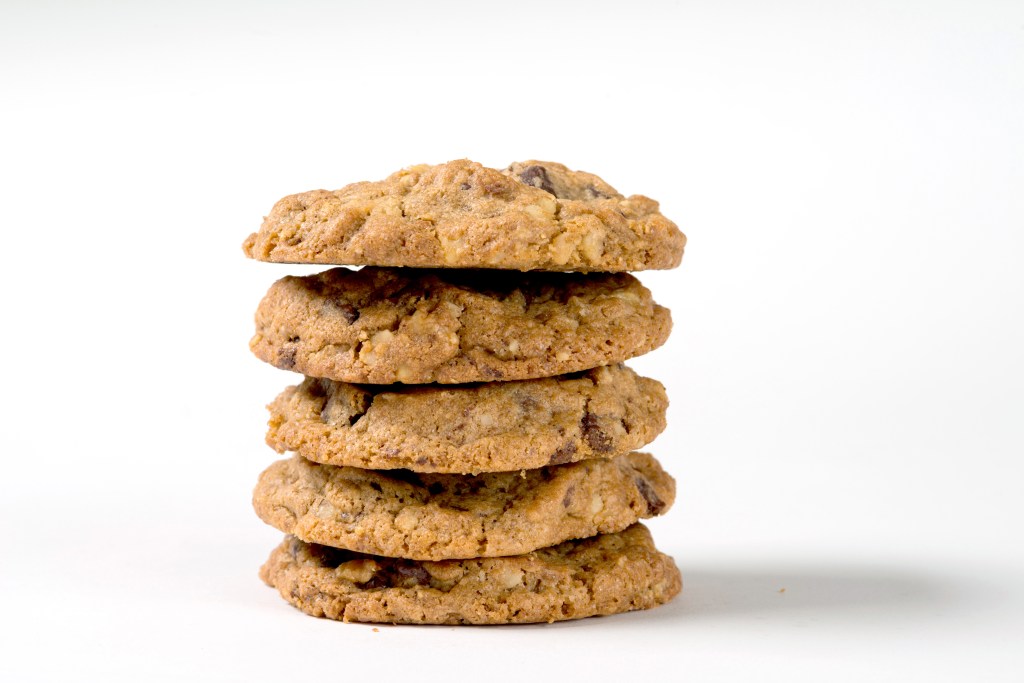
x,y
398,513
386,325
534,215
491,427
600,575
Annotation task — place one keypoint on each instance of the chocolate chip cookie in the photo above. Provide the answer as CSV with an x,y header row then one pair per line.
x,y
448,516
601,575
534,215
491,427
386,325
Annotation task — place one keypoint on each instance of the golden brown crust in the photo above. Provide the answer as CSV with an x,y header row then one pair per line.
x,y
387,325
491,427
450,516
533,215
601,575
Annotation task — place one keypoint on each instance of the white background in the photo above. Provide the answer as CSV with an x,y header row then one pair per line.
x,y
845,373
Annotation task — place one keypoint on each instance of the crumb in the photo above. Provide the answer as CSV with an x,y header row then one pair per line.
x,y
377,630
782,590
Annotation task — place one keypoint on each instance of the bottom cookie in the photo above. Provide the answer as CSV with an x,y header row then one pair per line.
x,y
602,575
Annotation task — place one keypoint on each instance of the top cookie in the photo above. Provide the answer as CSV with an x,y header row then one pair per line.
x,y
534,215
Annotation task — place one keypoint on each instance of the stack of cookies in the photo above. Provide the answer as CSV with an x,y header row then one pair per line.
x,y
463,437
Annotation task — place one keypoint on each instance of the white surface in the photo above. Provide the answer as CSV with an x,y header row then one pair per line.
x,y
845,372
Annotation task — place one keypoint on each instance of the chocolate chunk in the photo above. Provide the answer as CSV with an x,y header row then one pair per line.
x,y
286,357
349,312
595,193
528,403
497,188
537,176
563,454
378,580
599,441
567,500
493,373
399,573
655,505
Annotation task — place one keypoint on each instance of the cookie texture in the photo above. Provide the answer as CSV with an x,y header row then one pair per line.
x,y
398,513
534,215
600,575
490,427
387,325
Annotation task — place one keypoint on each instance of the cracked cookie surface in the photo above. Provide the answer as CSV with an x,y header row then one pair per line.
x,y
602,575
398,513
387,325
490,427
534,215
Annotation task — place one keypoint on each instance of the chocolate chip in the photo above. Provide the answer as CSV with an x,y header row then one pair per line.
x,y
294,545
595,193
349,312
497,188
563,454
528,403
286,357
567,500
378,580
655,505
537,176
400,573
493,373
599,441
464,186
